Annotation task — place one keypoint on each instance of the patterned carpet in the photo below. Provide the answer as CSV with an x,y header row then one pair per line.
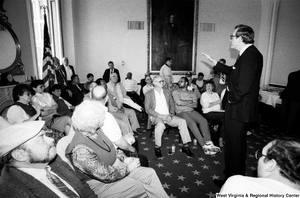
x,y
186,177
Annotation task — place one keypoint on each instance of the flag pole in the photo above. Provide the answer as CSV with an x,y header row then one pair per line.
x,y
48,68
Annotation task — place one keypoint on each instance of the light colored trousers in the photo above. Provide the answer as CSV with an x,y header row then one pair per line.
x,y
142,182
131,116
175,122
193,118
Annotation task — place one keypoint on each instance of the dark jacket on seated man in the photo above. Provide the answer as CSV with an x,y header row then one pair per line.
x,y
16,183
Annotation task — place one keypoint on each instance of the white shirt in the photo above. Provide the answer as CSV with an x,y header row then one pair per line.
x,y
243,184
40,175
207,98
44,99
69,72
111,128
166,73
161,103
16,114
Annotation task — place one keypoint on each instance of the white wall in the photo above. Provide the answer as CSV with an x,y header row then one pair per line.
x,y
286,48
100,33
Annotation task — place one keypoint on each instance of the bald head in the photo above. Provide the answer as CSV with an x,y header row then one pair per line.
x,y
99,93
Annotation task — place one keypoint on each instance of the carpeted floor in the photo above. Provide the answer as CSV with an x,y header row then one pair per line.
x,y
186,177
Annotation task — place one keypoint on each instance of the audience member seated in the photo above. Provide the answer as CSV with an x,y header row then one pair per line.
x,y
22,110
64,107
277,169
111,70
119,114
131,87
94,154
185,102
216,79
159,105
193,87
290,109
68,70
76,91
143,83
199,81
48,108
8,79
90,86
119,95
148,85
90,78
31,164
111,129
211,108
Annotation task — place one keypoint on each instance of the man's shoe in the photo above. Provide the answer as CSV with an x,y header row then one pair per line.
x,y
187,151
157,152
219,182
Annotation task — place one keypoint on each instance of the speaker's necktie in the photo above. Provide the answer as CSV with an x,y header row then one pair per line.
x,y
59,184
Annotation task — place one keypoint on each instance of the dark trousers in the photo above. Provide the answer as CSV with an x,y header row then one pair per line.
x,y
236,145
289,114
136,98
220,118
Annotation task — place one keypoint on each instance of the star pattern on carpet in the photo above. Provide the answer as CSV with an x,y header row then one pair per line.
x,y
165,185
215,177
192,177
184,189
199,182
189,165
159,165
181,177
167,174
195,172
216,162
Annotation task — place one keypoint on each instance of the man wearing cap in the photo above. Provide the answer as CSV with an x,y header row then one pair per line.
x,y
32,168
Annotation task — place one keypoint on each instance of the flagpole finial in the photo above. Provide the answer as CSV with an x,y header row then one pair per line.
x,y
44,7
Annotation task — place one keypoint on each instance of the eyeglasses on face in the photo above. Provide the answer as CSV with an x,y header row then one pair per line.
x,y
160,81
259,154
231,36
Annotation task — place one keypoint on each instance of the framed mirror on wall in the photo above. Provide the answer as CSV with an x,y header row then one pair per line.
x,y
10,56
172,32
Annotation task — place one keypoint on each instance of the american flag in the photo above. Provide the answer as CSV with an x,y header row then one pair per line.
x,y
48,68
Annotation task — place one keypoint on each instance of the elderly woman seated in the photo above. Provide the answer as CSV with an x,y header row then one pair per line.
x,y
95,155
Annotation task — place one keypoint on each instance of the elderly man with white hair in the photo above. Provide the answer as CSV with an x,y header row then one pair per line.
x,y
159,105
32,168
94,154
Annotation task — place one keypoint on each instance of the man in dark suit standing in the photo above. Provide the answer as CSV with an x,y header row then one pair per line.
x,y
111,70
242,106
290,107
67,69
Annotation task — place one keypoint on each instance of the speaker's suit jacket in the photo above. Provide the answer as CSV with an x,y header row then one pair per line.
x,y
107,74
243,84
18,184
